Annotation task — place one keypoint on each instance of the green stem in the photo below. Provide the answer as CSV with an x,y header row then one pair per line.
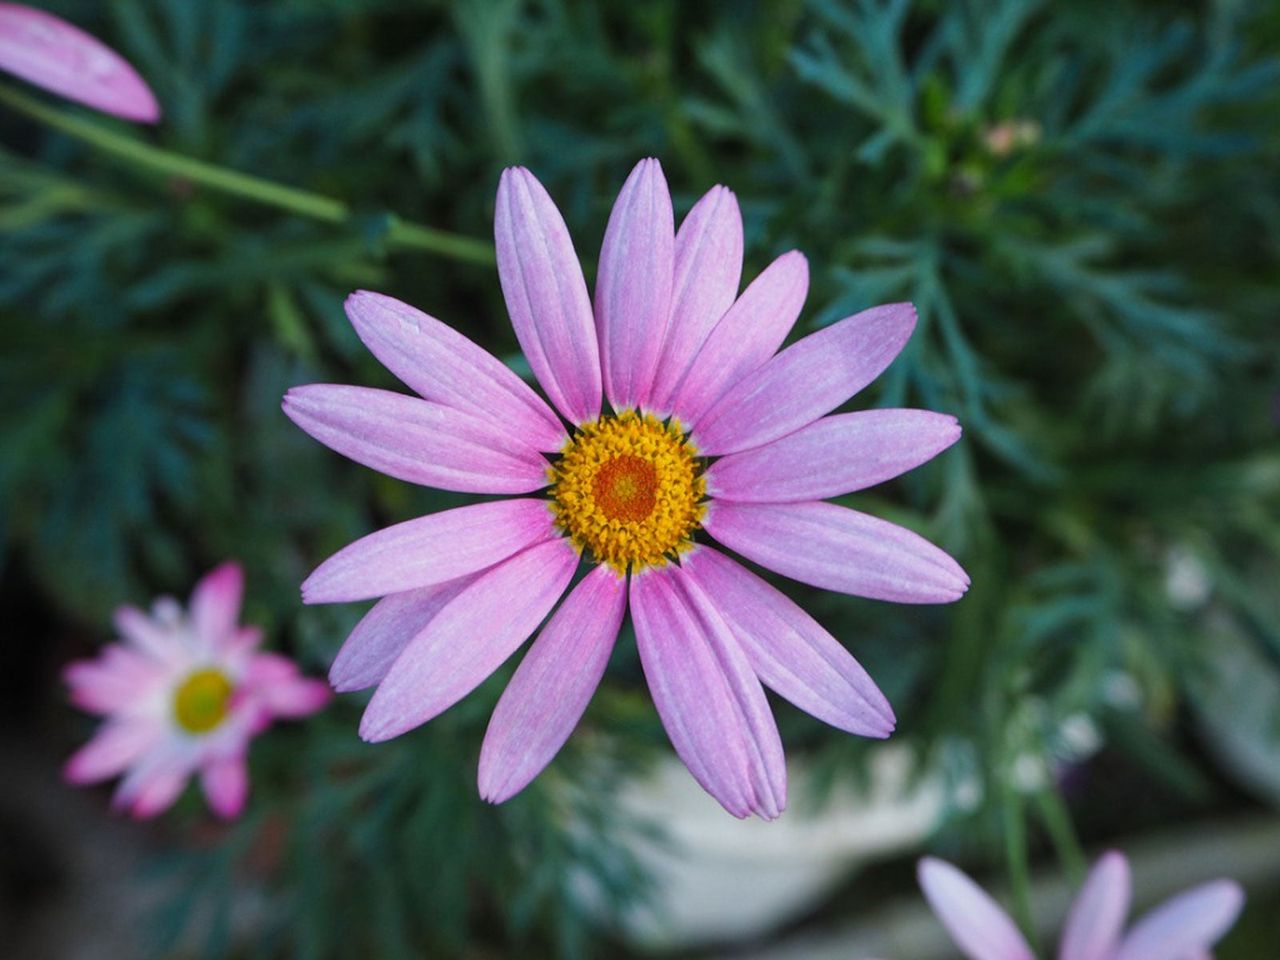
x,y
1015,845
314,205
1062,833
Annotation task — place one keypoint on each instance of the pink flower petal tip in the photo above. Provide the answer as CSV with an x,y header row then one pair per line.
x,y
51,53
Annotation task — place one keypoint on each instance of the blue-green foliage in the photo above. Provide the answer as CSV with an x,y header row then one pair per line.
x,y
1079,198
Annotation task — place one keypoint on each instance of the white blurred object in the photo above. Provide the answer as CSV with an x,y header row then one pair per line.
x,y
1186,580
1080,736
1029,773
1237,705
719,879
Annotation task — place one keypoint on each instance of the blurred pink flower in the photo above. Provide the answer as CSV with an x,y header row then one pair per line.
x,y
704,405
1183,928
51,53
184,692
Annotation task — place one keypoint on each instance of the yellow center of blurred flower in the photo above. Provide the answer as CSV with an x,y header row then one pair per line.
x,y
629,489
200,704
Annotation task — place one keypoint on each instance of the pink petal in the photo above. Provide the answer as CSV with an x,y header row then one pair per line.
x,y
215,603
114,681
550,690
241,644
748,334
976,923
469,639
383,633
429,550
807,380
416,440
95,690
633,285
711,704
153,785
53,54
278,686
1191,921
708,269
149,637
303,697
1097,915
443,365
225,782
116,745
833,456
546,295
838,549
267,669
157,794
788,650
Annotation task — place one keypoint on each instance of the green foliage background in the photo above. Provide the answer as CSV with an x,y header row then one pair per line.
x,y
1098,306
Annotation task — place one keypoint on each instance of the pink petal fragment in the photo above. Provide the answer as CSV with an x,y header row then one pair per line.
x,y
838,549
546,295
976,923
279,687
833,456
153,784
469,639
114,747
143,633
383,633
239,647
789,651
51,53
429,550
550,690
215,604
807,380
416,440
1191,921
157,794
748,334
708,269
711,704
225,782
117,679
443,365
1097,916
633,285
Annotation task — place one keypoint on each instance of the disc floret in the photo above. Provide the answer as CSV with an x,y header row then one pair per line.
x,y
629,489
202,701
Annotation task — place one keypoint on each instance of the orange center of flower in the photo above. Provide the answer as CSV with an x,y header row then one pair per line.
x,y
625,488
629,489
200,704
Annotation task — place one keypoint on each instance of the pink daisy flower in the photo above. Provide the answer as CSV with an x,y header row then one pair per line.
x,y
1183,928
184,692
711,431
51,53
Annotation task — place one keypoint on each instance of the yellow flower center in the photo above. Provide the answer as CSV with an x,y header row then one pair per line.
x,y
200,704
629,489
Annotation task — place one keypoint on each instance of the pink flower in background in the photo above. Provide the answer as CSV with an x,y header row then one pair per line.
x,y
184,693
51,53
712,430
1182,928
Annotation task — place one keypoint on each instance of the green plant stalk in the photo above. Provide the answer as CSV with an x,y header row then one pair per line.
x,y
1015,846
1062,833
314,205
